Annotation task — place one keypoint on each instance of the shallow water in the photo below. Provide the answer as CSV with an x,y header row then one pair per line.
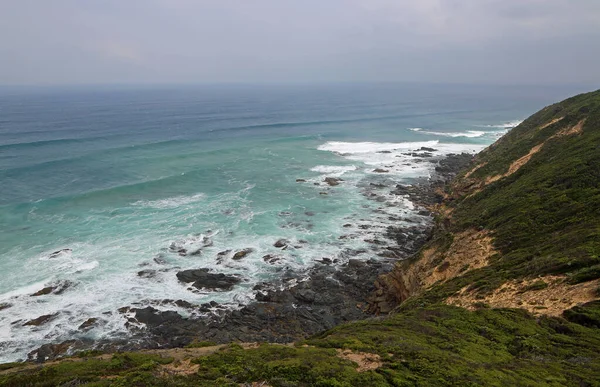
x,y
117,177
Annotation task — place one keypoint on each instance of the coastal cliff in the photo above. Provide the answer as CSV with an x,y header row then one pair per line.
x,y
519,227
505,291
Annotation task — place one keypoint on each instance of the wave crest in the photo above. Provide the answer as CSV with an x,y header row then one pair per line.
x,y
172,202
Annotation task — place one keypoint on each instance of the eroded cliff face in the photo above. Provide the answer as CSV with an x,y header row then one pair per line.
x,y
480,253
447,257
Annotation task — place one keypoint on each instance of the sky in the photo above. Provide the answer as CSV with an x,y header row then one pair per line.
x,y
47,42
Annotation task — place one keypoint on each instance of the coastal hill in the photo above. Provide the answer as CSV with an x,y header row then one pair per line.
x,y
505,292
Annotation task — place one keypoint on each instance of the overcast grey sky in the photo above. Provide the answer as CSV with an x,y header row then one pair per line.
x,y
174,41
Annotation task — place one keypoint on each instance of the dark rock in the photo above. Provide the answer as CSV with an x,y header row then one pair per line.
x,y
241,254
300,181
378,185
356,263
153,317
53,351
88,324
148,273
325,261
41,320
347,225
281,243
203,279
207,241
44,291
379,170
322,193
375,242
306,295
5,305
426,149
184,304
347,253
124,309
309,213
222,255
333,181
57,288
384,151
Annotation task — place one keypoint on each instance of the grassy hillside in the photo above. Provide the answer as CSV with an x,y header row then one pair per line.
x,y
541,207
520,229
437,346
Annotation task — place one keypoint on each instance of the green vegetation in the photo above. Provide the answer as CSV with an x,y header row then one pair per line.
x,y
437,346
201,344
127,369
537,285
545,217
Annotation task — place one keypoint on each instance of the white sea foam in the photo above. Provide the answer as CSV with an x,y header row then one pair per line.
x,y
506,125
86,266
336,170
172,202
371,147
396,158
25,290
468,133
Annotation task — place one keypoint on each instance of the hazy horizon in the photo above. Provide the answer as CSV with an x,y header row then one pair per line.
x,y
175,42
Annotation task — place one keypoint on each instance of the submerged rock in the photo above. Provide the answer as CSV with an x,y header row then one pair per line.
x,y
56,254
222,255
191,246
203,279
159,260
380,170
271,259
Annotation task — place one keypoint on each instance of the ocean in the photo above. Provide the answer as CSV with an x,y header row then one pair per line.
x,y
105,193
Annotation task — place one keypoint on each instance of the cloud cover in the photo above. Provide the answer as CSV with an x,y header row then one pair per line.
x,y
189,41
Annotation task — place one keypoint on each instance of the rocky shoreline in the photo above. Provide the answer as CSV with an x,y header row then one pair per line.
x,y
298,304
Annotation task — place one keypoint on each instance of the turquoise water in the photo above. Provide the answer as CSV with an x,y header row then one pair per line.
x,y
117,176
